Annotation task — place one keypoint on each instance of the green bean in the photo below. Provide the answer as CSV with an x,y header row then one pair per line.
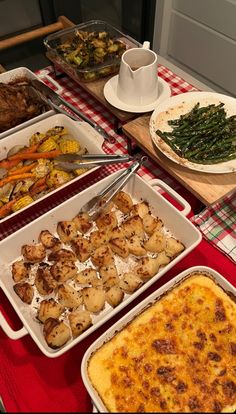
x,y
203,135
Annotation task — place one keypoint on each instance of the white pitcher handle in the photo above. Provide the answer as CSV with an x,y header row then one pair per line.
x,y
9,331
186,206
146,45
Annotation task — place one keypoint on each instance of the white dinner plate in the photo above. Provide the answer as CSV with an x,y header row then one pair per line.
x,y
110,93
178,105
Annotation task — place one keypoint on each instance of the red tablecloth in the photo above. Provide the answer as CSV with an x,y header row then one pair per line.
x,y
31,382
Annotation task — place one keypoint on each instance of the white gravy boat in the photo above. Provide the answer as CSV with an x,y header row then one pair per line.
x,y
138,78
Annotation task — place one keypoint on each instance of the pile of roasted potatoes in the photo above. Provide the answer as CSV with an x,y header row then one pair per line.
x,y
90,267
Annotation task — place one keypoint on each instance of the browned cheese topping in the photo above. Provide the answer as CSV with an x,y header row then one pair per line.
x,y
177,356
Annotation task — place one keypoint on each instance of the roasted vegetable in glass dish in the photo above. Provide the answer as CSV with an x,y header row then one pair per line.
x,y
29,172
88,50
204,135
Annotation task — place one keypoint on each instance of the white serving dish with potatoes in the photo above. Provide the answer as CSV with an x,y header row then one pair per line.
x,y
79,130
140,190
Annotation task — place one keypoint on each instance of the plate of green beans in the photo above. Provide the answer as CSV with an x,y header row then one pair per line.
x,y
197,130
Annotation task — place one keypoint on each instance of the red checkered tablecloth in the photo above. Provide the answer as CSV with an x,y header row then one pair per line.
x,y
31,382
78,97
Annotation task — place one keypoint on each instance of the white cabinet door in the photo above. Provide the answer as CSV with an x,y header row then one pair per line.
x,y
200,38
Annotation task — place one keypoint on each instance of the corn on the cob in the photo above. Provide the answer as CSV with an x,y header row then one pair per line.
x,y
48,145
22,202
69,146
57,132
56,178
24,186
36,138
80,171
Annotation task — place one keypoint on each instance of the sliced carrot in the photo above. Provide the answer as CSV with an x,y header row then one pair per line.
x,y
8,163
13,160
32,148
36,155
7,208
38,190
38,186
15,178
22,170
27,150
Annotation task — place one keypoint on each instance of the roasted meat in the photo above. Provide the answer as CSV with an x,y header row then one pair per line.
x,y
18,103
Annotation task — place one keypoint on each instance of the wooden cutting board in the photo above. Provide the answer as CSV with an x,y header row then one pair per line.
x,y
208,188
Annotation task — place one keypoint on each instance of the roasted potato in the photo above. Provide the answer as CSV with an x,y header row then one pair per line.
x,y
133,226
173,247
20,270
81,247
44,282
63,271
86,276
114,296
123,201
25,291
130,282
107,221
98,237
140,209
56,333
94,299
162,259
69,297
102,256
83,222
146,268
66,230
80,320
48,240
109,275
116,233
49,308
120,247
156,242
33,253
62,255
151,223
135,246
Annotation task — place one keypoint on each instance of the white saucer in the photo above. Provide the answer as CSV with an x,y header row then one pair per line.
x,y
110,89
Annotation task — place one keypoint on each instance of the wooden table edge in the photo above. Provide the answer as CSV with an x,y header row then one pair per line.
x,y
170,166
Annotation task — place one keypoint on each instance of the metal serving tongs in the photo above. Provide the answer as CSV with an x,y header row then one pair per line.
x,y
66,161
95,206
54,100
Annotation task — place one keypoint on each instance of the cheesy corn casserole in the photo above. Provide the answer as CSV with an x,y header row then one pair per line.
x,y
178,355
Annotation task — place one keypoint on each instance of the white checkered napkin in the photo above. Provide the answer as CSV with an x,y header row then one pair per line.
x,y
218,225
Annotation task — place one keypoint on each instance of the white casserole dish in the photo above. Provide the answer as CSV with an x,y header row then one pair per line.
x,y
13,74
139,189
151,299
86,135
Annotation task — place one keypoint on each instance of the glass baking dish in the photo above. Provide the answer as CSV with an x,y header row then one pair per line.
x,y
87,57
